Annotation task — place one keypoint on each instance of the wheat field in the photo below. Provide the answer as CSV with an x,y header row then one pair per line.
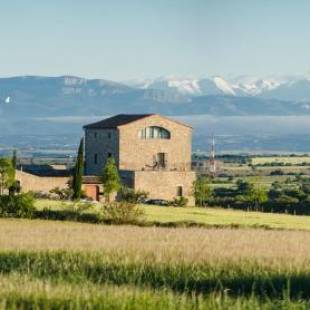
x,y
189,244
68,265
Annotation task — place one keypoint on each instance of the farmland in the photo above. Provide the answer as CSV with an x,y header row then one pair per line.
x,y
170,258
85,265
293,160
208,216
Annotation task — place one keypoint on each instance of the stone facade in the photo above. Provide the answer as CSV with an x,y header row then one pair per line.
x,y
137,154
160,165
30,182
165,184
99,145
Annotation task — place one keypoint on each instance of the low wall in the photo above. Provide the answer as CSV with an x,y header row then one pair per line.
x,y
164,184
30,182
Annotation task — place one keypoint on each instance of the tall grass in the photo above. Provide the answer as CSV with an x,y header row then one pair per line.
x,y
20,292
46,264
192,245
242,278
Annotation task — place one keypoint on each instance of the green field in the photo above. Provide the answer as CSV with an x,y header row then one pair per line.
x,y
210,216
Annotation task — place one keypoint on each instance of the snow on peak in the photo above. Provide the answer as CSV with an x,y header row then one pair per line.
x,y
253,86
224,86
185,86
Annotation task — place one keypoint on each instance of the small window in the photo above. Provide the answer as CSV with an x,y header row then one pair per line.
x,y
109,155
109,135
96,159
162,160
95,135
179,191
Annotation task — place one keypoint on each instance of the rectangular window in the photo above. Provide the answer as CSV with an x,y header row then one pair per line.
x,y
180,191
109,155
162,160
95,135
109,135
96,159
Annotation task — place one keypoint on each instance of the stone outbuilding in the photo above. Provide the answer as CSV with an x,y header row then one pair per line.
x,y
152,153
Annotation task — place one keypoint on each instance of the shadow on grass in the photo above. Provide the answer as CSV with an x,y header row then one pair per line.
x,y
237,279
93,218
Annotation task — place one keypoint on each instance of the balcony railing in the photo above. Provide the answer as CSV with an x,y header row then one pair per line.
x,y
164,166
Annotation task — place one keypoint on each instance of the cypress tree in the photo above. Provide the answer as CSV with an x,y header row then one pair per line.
x,y
14,162
78,172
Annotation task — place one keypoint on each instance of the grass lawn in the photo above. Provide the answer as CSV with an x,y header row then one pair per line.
x,y
210,216
218,216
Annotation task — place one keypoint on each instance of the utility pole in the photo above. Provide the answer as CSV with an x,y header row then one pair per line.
x,y
212,162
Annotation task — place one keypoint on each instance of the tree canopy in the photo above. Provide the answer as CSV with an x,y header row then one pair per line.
x,y
7,173
110,178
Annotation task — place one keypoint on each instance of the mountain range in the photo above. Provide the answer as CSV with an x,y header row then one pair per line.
x,y
55,108
35,96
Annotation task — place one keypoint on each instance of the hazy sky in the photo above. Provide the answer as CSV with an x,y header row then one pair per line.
x,y
147,38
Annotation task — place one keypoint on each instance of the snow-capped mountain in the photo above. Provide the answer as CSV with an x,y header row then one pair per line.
x,y
187,85
184,86
215,85
33,96
284,87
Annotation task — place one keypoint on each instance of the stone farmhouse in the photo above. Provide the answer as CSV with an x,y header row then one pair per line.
x,y
152,153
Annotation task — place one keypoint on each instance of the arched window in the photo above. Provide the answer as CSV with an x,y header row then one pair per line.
x,y
154,132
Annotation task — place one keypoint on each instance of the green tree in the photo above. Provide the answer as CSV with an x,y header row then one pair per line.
x,y
6,174
15,185
202,191
257,195
78,173
14,162
110,178
243,187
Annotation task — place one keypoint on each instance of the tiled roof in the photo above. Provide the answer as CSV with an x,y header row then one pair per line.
x,y
115,121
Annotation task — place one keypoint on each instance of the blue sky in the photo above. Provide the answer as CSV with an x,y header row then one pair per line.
x,y
128,39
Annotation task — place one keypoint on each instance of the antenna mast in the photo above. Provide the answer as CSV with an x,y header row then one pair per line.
x,y
212,162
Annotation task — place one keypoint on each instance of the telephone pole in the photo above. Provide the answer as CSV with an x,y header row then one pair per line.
x,y
212,161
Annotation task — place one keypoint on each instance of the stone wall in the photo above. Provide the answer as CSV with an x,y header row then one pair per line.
x,y
164,184
30,182
138,154
103,142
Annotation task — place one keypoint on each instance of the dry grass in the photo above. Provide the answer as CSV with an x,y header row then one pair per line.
x,y
159,244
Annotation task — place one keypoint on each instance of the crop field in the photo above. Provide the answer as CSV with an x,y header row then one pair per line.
x,y
281,159
46,264
245,170
263,180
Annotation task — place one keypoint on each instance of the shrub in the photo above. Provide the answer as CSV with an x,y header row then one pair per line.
x,y
129,195
277,172
76,212
15,188
121,213
63,193
202,191
40,195
180,202
21,205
